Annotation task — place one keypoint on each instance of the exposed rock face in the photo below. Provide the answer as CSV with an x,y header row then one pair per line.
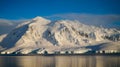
x,y
42,33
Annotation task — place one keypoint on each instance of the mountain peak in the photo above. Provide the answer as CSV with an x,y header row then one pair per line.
x,y
39,18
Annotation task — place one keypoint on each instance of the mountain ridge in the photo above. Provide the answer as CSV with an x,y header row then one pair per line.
x,y
41,33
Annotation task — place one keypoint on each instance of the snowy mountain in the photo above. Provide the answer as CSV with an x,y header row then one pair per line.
x,y
42,34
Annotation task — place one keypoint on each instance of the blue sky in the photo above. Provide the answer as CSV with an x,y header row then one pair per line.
x,y
93,12
17,9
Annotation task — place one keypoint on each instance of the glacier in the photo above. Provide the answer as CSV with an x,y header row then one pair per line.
x,y
40,34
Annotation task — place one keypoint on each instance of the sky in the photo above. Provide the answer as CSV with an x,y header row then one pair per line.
x,y
17,9
94,12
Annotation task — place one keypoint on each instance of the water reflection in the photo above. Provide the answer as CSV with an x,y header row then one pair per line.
x,y
59,61
76,61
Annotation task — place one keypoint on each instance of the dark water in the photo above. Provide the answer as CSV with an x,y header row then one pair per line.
x,y
59,61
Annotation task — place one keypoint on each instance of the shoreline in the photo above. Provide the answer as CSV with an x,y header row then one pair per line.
x,y
114,54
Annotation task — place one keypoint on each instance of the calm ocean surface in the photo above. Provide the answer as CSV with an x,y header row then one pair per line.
x,y
59,61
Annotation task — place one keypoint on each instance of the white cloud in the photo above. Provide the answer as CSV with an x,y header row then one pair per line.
x,y
7,25
4,22
108,20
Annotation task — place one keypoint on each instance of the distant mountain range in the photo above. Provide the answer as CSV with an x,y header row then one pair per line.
x,y
41,34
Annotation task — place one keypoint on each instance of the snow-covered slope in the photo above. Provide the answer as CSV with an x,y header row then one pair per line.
x,y
2,37
40,33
